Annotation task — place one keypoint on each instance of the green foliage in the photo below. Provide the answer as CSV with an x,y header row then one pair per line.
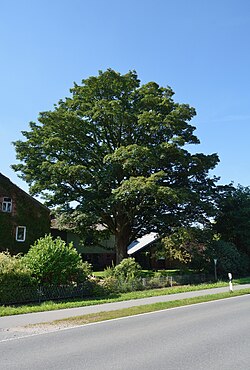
x,y
158,281
124,277
127,270
14,279
53,262
107,285
6,232
232,222
116,149
187,246
229,258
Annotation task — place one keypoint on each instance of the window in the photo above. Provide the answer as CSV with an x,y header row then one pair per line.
x,y
20,233
7,204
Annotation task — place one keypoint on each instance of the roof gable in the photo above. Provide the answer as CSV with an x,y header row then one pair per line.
x,y
6,182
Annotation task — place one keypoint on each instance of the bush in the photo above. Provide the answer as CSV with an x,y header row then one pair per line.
x,y
229,258
52,262
126,271
124,277
106,286
157,281
16,281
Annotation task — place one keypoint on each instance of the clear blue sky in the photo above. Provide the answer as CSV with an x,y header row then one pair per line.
x,y
198,47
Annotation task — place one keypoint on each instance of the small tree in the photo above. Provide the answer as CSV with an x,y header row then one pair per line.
x,y
53,262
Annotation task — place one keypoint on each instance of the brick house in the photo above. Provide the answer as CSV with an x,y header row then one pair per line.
x,y
23,219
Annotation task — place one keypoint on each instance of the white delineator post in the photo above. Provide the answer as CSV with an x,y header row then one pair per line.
x,y
230,282
215,269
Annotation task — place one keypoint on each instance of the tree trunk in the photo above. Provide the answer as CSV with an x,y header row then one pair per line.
x,y
121,245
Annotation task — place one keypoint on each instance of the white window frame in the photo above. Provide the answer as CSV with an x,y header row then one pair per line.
x,y
24,233
7,205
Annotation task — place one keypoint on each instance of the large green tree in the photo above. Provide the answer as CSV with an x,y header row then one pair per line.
x,y
116,152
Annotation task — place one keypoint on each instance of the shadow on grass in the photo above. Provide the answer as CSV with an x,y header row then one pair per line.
x,y
245,280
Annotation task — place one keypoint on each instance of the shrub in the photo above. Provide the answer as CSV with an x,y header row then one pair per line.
x,y
52,262
16,281
106,286
158,281
229,258
127,270
124,277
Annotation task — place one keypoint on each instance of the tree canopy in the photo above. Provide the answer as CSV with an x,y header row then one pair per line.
x,y
115,153
232,222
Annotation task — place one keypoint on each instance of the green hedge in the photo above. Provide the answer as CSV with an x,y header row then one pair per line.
x,y
16,281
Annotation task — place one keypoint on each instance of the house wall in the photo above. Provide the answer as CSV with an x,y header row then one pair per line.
x,y
26,211
100,256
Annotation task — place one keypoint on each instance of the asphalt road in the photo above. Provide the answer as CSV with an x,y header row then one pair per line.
x,y
214,335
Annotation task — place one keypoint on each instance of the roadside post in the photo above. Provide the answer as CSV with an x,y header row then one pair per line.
x,y
215,269
230,282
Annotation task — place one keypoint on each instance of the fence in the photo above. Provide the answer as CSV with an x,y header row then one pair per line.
x,y
32,294
162,282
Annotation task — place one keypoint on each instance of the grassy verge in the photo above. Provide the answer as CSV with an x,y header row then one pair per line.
x,y
245,280
102,316
48,306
